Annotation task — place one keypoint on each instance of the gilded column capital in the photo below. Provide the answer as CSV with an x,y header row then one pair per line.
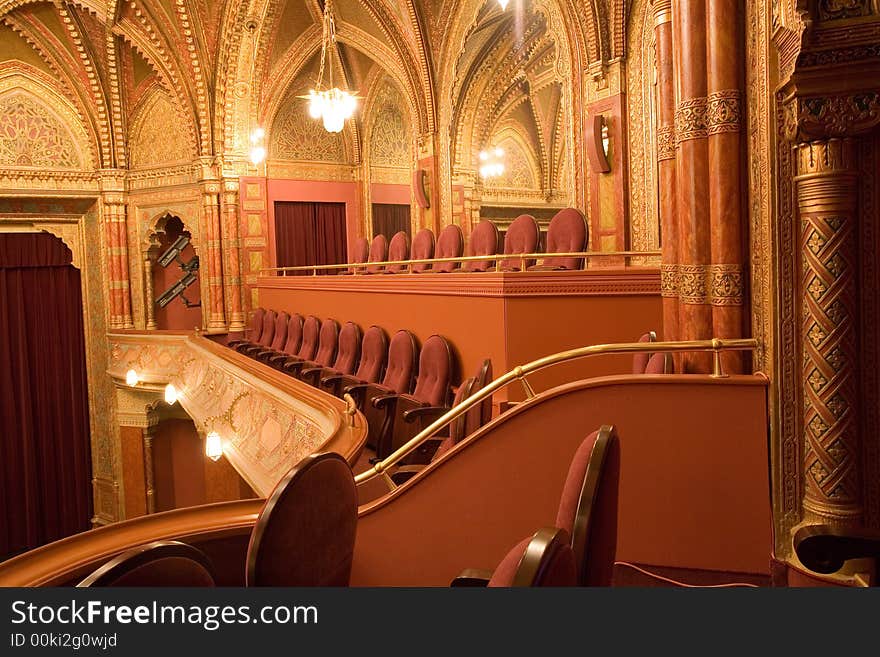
x,y
662,10
826,176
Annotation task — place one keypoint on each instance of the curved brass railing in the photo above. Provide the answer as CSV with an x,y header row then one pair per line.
x,y
498,257
716,346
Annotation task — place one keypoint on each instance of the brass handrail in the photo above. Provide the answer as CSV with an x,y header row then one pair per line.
x,y
715,345
522,257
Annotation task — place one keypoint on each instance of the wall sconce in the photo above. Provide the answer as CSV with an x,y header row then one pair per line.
x,y
258,148
213,446
170,394
599,144
132,378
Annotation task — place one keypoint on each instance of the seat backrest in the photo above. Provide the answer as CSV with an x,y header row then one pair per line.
x,y
255,330
640,360
328,342
435,372
304,535
161,563
398,249
309,344
484,378
349,350
522,236
374,352
483,242
567,233
294,334
401,363
544,559
360,251
464,425
281,326
588,506
422,249
378,253
450,244
268,333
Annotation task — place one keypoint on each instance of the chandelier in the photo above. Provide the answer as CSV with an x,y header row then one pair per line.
x,y
503,4
492,162
329,103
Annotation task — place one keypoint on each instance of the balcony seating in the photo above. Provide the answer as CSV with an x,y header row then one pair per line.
x,y
483,242
545,559
161,563
398,249
522,236
374,352
450,244
422,249
328,342
347,355
281,323
399,372
266,336
432,387
305,532
360,253
307,346
252,333
586,518
484,378
291,344
648,363
567,233
378,253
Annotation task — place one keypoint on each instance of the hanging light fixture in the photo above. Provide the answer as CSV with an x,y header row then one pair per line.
x,y
492,162
213,446
503,4
132,378
330,103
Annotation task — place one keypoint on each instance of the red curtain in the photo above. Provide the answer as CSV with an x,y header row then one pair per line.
x,y
45,459
389,219
310,234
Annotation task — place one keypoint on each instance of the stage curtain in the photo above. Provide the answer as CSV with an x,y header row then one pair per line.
x,y
45,459
389,219
310,234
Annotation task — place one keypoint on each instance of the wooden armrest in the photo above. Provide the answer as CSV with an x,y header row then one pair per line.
x,y
383,401
472,577
429,413
824,549
310,373
277,358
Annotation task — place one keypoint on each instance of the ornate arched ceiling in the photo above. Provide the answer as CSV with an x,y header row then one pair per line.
x,y
223,63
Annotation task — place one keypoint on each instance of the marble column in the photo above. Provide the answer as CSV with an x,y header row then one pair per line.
x,y
232,256
148,294
211,262
827,198
114,215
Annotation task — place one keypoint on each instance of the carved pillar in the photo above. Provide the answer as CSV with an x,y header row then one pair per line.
x,y
827,193
692,178
666,165
211,264
114,214
149,484
232,256
723,124
148,293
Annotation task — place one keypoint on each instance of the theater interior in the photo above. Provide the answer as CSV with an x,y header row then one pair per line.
x,y
381,293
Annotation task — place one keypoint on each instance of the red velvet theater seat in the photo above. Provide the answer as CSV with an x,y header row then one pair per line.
x,y
360,253
328,343
252,332
161,563
348,354
398,250
378,253
431,391
483,242
281,324
374,352
266,335
648,363
450,244
291,344
567,233
422,249
307,346
522,236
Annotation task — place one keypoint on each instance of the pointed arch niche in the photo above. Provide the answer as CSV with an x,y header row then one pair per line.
x,y
183,312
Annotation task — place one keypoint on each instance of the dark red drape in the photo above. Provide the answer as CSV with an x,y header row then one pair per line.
x,y
389,219
45,456
310,234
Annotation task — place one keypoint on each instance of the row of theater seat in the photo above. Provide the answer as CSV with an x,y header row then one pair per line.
x,y
303,539
399,387
567,233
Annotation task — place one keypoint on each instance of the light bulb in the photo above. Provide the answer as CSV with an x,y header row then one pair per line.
x,y
484,156
258,154
333,121
170,394
213,446
316,105
257,135
499,152
503,4
131,378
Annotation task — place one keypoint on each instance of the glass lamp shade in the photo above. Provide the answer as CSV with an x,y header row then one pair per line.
x,y
131,378
170,394
213,446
